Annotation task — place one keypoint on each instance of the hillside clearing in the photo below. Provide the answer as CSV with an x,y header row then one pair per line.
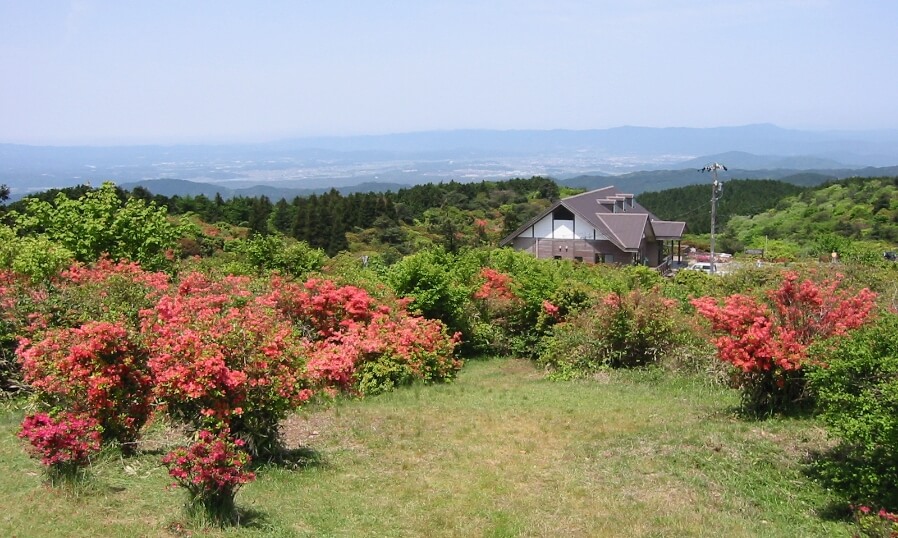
x,y
499,452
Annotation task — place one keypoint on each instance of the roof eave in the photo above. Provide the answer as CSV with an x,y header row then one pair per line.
x,y
510,237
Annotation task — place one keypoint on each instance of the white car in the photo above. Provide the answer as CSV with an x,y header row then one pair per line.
x,y
700,266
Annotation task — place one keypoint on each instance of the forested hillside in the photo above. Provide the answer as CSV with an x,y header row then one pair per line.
x,y
451,214
831,216
642,181
692,203
857,214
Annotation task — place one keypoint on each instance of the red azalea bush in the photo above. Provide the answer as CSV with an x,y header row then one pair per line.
x,y
767,340
497,310
359,345
322,306
497,285
222,358
108,291
114,291
104,270
64,443
212,470
387,352
95,370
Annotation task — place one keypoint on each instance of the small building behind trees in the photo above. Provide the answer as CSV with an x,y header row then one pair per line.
x,y
599,226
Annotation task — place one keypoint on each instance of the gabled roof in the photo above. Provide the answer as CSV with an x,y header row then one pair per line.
x,y
617,215
665,229
588,203
624,230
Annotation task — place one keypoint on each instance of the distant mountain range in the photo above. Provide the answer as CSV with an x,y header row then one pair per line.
x,y
646,158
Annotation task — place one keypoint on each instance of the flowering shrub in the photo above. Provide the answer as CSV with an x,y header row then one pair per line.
x,y
104,291
767,341
626,330
105,269
387,352
94,370
358,345
870,524
64,443
322,305
221,358
497,309
212,470
496,286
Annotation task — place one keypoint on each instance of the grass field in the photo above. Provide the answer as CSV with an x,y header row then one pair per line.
x,y
499,452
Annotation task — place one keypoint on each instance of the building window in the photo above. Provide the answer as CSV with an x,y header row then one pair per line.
x,y
556,257
604,258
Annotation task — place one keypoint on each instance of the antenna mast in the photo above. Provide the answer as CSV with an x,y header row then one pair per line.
x,y
716,191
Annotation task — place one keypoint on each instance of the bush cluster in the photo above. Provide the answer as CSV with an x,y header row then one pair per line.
x,y
856,386
767,338
621,330
103,345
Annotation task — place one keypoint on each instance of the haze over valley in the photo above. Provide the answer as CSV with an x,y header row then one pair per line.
x,y
391,161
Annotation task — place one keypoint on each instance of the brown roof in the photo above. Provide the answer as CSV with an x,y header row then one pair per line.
x,y
625,230
617,215
665,229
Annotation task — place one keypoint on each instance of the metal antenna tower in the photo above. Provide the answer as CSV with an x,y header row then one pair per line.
x,y
716,192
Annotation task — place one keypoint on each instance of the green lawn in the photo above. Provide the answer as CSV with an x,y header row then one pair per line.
x,y
500,452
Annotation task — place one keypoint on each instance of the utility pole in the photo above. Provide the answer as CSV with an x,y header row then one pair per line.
x,y
716,191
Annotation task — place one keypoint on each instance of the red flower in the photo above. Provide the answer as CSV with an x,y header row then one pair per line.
x,y
67,440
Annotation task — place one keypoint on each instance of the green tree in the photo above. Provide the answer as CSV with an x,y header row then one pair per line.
x,y
101,222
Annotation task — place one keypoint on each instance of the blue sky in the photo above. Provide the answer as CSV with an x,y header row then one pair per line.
x,y
114,72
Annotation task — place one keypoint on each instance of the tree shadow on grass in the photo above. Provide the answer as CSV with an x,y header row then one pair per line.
x,y
248,518
253,519
814,465
855,476
749,413
302,457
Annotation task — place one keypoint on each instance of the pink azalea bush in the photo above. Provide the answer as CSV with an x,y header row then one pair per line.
x,y
212,470
63,443
95,370
228,357
387,352
222,358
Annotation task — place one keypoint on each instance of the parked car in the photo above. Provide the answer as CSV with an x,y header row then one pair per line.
x,y
700,266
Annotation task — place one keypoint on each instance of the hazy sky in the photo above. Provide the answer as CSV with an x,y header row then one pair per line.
x,y
124,72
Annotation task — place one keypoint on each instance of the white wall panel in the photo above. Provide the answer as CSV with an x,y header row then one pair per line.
x,y
543,228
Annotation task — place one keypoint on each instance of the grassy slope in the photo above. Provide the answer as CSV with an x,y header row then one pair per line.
x,y
501,452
